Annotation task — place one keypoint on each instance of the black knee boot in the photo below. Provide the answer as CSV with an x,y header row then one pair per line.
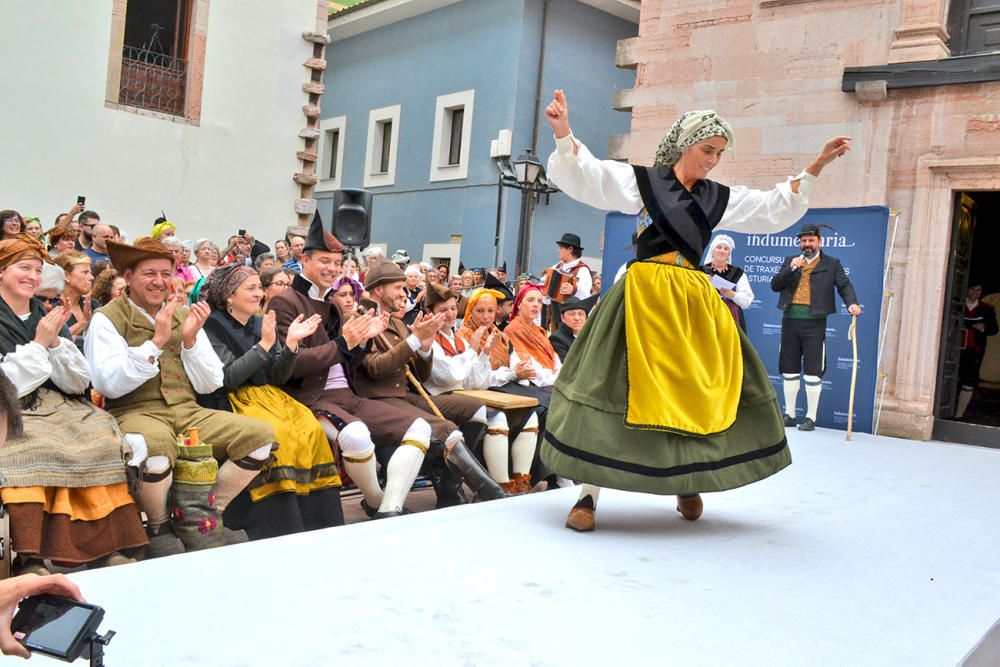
x,y
447,485
461,461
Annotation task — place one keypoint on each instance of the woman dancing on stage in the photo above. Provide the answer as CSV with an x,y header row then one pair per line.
x,y
661,392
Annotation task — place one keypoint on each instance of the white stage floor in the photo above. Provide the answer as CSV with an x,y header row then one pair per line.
x,y
874,552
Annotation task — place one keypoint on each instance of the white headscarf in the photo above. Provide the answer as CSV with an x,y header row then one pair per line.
x,y
721,239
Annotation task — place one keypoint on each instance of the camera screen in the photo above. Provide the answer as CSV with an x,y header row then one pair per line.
x,y
53,627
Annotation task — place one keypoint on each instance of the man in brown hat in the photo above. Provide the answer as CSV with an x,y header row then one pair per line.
x,y
382,376
322,380
148,356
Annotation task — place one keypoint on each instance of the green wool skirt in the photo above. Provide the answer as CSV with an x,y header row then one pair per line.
x,y
586,439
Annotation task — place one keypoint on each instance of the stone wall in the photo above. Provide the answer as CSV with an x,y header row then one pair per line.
x,y
774,68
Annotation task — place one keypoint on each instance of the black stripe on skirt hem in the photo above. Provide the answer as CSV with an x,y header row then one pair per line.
x,y
673,471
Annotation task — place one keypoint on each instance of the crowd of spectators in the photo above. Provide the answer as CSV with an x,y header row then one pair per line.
x,y
147,343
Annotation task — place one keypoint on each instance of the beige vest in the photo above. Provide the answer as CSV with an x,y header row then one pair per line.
x,y
171,385
803,293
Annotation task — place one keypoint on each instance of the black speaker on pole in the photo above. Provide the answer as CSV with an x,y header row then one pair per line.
x,y
352,217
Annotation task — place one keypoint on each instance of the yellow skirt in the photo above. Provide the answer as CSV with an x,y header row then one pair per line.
x,y
685,366
303,459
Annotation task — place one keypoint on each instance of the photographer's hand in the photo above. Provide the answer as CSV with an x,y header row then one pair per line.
x,y
12,591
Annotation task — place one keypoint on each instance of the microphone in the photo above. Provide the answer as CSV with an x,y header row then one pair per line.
x,y
803,258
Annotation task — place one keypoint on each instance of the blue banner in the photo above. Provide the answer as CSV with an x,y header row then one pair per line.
x,y
859,243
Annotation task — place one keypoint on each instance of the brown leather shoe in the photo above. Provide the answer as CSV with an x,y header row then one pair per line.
x,y
522,482
580,519
690,507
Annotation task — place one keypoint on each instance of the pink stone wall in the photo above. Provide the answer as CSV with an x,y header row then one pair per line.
x,y
773,68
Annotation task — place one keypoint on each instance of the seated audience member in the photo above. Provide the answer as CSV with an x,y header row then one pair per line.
x,y
351,269
50,286
321,378
382,375
61,239
148,356
529,339
596,288
33,227
163,229
414,293
573,314
280,251
76,293
181,270
65,484
11,224
263,262
206,257
296,244
443,273
736,299
274,281
505,300
99,237
457,364
108,286
300,490
468,282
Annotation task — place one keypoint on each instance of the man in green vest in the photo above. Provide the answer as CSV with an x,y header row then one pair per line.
x,y
148,356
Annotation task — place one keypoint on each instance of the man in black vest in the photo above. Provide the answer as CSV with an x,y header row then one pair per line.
x,y
806,283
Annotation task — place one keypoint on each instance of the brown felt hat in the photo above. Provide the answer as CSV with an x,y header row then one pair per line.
x,y
437,293
125,256
383,273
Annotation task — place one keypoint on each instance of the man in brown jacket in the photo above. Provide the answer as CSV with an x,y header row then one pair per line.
x,y
381,375
322,380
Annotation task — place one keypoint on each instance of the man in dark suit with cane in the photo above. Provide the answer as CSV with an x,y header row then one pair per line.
x,y
806,283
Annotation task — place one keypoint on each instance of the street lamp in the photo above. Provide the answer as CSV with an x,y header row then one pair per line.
x,y
527,175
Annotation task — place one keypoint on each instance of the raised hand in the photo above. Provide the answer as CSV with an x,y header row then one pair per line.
x,y
47,331
557,113
163,323
476,341
353,330
12,591
524,371
195,320
268,329
424,327
301,328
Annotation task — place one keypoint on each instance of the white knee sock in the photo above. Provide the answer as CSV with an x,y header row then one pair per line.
x,y
522,450
358,452
404,466
233,477
590,490
495,447
814,385
154,494
964,398
791,386
479,417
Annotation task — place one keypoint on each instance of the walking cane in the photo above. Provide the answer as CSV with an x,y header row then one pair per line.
x,y
852,335
414,381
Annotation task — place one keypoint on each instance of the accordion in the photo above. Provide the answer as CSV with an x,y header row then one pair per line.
x,y
554,280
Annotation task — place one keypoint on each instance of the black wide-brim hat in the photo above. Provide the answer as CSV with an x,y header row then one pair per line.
x,y
492,282
570,240
576,303
809,230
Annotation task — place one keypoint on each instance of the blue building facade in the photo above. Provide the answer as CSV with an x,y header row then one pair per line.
x,y
491,53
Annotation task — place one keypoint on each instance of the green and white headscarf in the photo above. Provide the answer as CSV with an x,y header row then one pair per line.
x,y
689,129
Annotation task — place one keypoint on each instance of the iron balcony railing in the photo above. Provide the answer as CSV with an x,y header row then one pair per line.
x,y
152,81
